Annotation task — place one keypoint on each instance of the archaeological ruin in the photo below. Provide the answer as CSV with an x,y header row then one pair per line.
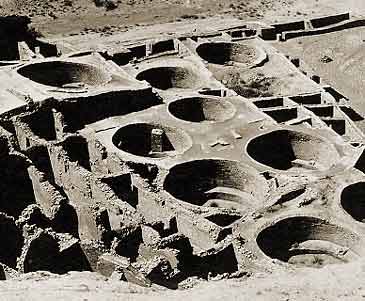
x,y
209,152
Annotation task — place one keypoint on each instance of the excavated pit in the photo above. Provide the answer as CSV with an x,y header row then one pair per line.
x,y
222,53
353,200
62,74
165,78
292,150
308,241
151,140
202,109
215,183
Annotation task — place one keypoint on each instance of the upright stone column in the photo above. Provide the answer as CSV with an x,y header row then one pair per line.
x,y
157,136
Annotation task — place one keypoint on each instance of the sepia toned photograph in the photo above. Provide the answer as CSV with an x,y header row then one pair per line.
x,y
182,150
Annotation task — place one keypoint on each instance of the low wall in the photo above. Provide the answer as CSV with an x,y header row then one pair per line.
x,y
319,25
342,26
290,26
26,138
47,196
329,20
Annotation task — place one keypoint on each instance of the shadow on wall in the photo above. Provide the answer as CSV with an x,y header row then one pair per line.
x,y
215,183
292,149
14,29
353,201
77,150
123,188
165,78
16,189
60,74
308,241
82,111
202,109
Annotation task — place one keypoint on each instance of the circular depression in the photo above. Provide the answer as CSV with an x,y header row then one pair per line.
x,y
165,78
308,241
200,109
224,52
287,149
216,183
353,201
151,140
61,74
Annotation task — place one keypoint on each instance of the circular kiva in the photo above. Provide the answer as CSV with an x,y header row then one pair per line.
x,y
63,74
216,183
202,109
222,53
151,140
308,241
165,78
292,150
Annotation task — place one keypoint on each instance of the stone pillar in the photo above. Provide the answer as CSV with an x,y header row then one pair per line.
x,y
59,123
37,51
149,49
25,54
157,136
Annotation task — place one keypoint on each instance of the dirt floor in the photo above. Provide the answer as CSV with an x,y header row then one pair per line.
x,y
342,282
64,18
69,17
338,58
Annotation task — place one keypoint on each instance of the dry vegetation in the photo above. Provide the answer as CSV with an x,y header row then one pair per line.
x,y
73,16
65,17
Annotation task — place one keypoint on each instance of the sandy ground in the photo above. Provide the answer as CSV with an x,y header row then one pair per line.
x,y
334,282
345,71
65,17
57,18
